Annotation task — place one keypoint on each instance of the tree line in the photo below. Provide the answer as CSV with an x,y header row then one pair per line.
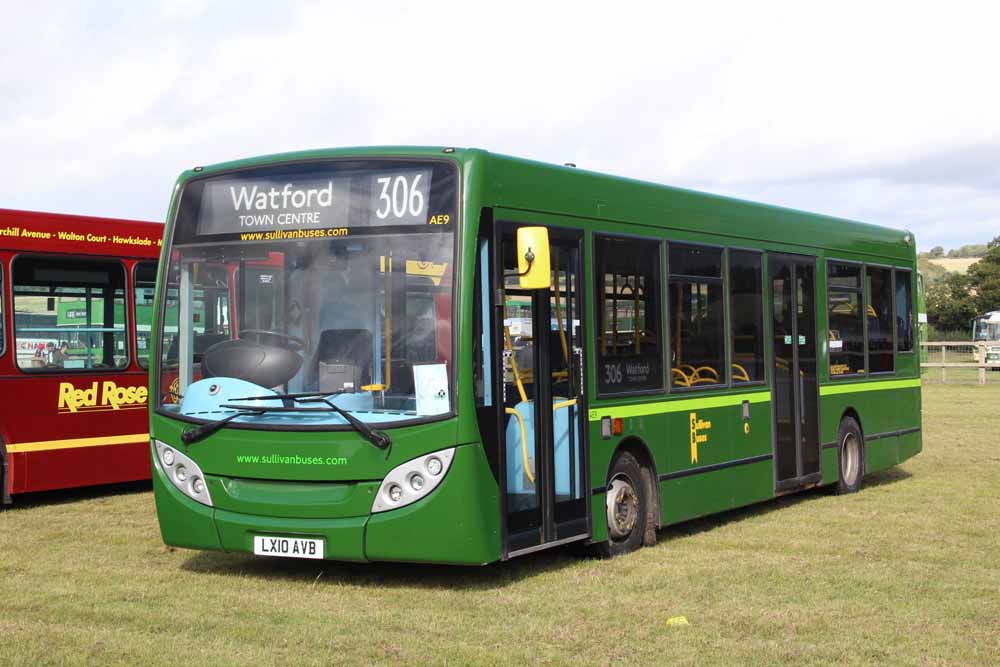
x,y
953,299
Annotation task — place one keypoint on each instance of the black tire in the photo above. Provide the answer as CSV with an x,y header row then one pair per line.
x,y
625,505
850,456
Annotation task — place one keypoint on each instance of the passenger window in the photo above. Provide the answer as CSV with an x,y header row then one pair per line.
x,y
879,319
845,338
3,319
697,322
69,314
904,312
746,314
629,334
144,284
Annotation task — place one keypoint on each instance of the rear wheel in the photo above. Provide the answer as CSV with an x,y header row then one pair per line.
x,y
625,506
850,456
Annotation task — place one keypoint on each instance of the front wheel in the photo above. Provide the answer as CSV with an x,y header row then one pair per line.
x,y
625,506
850,456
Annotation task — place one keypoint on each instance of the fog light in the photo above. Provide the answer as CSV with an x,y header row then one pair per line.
x,y
395,493
168,457
434,466
417,482
198,485
181,473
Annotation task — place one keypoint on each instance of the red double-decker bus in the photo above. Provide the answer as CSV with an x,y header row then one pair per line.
x,y
76,301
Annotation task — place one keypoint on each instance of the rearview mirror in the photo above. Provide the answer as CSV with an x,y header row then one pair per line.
x,y
533,258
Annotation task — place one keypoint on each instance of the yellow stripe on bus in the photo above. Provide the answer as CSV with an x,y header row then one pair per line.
x,y
73,443
870,385
678,405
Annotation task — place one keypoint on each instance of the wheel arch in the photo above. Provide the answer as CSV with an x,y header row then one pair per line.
x,y
637,447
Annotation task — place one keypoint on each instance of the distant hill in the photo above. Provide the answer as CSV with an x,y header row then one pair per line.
x,y
954,264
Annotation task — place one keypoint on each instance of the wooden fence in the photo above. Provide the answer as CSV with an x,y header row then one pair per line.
x,y
961,362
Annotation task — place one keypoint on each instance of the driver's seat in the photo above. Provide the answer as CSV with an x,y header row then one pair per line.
x,y
344,359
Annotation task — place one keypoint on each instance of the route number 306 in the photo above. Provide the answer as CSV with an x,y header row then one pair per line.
x,y
400,197
612,374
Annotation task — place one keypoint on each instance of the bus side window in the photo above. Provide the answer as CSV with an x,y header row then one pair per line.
x,y
697,322
69,314
846,331
904,312
3,319
879,318
746,306
629,325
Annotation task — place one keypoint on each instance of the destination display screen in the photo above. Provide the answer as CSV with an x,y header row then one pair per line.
x,y
318,199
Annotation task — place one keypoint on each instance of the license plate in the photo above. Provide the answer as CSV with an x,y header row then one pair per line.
x,y
287,547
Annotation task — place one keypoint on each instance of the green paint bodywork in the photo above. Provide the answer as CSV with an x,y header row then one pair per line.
x,y
460,522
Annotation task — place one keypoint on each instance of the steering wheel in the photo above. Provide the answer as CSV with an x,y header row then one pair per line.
x,y
296,343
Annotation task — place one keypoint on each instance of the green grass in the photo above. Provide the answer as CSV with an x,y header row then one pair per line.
x,y
905,572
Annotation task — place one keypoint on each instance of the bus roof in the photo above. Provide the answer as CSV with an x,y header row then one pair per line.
x,y
518,183
35,231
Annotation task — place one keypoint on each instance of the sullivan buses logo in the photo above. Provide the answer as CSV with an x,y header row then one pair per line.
x,y
100,396
697,437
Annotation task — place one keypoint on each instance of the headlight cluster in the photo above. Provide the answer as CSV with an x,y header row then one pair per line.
x,y
411,481
183,473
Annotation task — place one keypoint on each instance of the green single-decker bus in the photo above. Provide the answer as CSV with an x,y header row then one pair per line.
x,y
453,356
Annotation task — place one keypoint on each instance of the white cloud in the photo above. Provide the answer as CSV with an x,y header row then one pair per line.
x,y
846,109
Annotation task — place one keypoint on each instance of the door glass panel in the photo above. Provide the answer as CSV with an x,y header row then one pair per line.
x,y
563,354
806,341
784,389
519,392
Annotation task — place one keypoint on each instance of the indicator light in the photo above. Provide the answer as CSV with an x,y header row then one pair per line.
x,y
197,485
395,493
168,457
616,426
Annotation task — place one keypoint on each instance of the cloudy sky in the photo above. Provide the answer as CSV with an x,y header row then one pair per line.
x,y
877,111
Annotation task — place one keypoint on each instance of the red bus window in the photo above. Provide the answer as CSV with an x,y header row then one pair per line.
x,y
69,314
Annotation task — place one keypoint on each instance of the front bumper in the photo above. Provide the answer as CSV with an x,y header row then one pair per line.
x,y
458,522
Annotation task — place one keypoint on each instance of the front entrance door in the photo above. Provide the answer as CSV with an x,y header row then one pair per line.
x,y
796,404
542,443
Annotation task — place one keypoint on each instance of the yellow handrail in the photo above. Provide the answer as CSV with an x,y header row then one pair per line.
x,y
513,363
524,443
564,404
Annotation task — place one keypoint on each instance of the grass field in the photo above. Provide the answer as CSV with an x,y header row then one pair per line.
x,y
905,572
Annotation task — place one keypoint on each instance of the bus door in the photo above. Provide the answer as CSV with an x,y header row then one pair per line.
x,y
795,390
539,347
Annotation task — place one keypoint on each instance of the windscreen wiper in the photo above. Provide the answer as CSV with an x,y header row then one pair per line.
x,y
374,436
199,432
